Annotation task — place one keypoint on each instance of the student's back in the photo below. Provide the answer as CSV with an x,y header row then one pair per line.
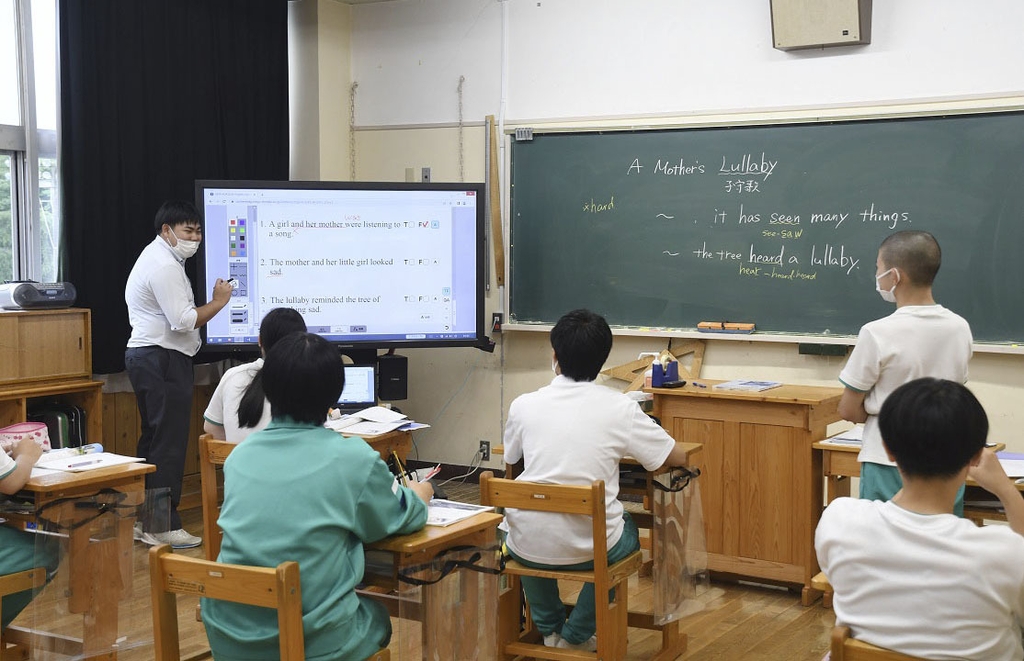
x,y
908,574
934,586
297,491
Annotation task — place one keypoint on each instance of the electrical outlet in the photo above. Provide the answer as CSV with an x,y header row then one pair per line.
x,y
485,450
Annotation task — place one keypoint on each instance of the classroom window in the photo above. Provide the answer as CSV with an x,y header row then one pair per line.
x,y
6,218
30,221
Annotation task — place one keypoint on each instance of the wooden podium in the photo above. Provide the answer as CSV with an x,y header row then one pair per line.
x,y
757,474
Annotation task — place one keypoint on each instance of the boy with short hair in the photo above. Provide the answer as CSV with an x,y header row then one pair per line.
x,y
910,576
921,338
574,431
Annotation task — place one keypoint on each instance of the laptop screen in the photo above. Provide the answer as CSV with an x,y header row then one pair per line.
x,y
360,389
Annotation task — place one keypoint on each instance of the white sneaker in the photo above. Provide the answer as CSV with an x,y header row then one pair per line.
x,y
589,645
138,531
178,539
552,639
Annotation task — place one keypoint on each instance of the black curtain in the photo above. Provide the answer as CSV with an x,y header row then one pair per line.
x,y
154,95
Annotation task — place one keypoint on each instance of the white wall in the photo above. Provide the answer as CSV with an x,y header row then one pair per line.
x,y
586,58
575,60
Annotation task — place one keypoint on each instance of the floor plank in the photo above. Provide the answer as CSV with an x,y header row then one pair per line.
x,y
736,621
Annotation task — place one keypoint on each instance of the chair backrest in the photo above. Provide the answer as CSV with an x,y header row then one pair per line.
x,y
212,453
561,498
172,574
19,582
845,648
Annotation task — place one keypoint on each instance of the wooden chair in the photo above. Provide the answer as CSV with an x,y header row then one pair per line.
x,y
11,584
212,453
820,582
845,648
584,501
172,574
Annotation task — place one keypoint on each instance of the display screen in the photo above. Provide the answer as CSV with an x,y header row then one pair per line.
x,y
366,264
360,387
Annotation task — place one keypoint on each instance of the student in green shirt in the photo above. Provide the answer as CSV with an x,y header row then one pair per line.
x,y
298,491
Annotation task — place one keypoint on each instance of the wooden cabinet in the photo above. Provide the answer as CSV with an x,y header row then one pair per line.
x,y
757,474
44,345
46,355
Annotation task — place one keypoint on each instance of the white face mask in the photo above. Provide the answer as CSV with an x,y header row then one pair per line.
x,y
554,366
185,249
888,295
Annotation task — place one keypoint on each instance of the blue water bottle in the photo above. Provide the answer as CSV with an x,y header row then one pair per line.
x,y
672,371
657,374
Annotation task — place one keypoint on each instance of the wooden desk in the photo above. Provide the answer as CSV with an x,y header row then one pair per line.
x,y
99,559
839,463
445,635
757,474
399,442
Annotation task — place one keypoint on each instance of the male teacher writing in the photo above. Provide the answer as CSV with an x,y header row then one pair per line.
x,y
165,336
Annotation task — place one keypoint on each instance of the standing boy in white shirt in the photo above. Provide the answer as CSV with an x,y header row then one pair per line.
x,y
921,338
165,336
574,431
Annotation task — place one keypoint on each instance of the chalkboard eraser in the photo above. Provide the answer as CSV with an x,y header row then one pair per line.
x,y
725,327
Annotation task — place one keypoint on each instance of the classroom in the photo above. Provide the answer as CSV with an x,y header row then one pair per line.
x,y
380,90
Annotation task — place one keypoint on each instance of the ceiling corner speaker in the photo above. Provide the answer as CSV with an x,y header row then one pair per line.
x,y
819,23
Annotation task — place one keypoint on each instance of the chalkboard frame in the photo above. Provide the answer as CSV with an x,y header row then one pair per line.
x,y
1011,106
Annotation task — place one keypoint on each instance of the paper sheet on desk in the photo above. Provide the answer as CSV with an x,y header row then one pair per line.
x,y
87,462
446,512
370,428
853,436
380,414
1012,463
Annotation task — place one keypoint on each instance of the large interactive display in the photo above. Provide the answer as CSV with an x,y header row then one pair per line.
x,y
367,264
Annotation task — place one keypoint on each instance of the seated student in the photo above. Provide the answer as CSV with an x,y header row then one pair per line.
x,y
574,431
908,574
298,491
238,406
20,550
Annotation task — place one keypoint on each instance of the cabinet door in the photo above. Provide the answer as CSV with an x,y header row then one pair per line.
x,y
767,482
53,346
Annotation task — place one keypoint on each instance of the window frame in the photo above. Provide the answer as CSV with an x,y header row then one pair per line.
x,y
29,145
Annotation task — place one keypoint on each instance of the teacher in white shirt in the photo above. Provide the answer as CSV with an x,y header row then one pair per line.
x,y
165,336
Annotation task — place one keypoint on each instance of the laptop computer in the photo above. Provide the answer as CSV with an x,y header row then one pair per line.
x,y
360,390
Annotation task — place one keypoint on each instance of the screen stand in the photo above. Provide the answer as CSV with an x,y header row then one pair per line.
x,y
360,355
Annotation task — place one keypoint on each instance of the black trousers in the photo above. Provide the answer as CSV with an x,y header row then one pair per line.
x,y
162,381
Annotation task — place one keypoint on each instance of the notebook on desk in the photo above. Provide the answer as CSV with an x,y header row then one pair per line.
x,y
360,390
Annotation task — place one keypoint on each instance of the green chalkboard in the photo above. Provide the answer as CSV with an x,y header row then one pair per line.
x,y
778,225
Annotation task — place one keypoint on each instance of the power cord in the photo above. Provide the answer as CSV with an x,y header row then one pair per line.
x,y
474,465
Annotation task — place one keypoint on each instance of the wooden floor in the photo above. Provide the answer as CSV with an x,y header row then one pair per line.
x,y
737,621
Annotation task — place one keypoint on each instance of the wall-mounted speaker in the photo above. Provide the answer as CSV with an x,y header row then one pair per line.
x,y
392,377
818,23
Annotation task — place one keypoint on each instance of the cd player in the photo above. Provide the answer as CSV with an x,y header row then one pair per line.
x,y
37,295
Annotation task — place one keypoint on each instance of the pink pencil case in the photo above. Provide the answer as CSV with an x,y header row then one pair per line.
x,y
10,435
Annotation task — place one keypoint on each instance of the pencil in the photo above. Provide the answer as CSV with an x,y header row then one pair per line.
x,y
401,468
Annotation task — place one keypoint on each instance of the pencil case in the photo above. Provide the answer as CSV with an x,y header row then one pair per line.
x,y
10,435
